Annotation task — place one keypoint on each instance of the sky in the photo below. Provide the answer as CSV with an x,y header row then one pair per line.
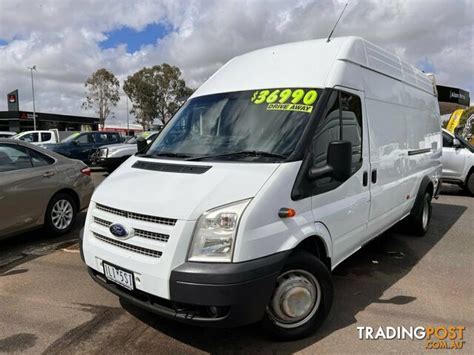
x,y
68,40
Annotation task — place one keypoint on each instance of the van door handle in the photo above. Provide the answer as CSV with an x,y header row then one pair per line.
x,y
49,173
374,176
365,178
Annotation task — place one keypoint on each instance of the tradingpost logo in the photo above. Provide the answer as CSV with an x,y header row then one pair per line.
x,y
436,337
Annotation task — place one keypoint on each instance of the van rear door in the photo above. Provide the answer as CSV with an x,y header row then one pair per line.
x,y
343,206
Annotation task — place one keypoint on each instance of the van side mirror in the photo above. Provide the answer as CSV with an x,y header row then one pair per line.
x,y
456,143
142,144
338,163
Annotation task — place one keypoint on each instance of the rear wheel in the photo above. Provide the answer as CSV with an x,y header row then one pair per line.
x,y
470,184
60,214
420,219
301,300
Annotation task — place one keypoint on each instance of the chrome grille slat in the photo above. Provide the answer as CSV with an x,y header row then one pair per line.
x,y
102,222
126,246
136,232
137,216
151,235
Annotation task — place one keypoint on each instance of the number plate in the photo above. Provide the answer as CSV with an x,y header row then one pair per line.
x,y
119,276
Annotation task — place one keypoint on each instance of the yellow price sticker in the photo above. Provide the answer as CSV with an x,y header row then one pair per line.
x,y
300,100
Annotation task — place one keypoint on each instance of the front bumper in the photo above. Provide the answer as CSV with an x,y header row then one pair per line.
x,y
210,294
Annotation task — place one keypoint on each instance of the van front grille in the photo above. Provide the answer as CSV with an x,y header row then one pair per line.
x,y
137,216
136,232
126,246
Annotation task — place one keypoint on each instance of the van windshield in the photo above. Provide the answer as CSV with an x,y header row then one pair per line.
x,y
256,125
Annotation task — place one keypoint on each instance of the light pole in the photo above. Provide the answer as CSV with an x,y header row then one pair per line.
x,y
33,91
128,125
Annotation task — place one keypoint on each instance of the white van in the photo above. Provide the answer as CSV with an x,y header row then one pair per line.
x,y
280,166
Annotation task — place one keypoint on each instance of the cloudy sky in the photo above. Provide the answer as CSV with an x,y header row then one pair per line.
x,y
69,39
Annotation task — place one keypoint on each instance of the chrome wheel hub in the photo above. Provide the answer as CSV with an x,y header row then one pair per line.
x,y
61,214
296,298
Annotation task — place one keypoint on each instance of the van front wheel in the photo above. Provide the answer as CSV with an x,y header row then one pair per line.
x,y
301,299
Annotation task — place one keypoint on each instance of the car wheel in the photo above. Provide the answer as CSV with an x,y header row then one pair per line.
x,y
60,214
470,184
420,220
301,300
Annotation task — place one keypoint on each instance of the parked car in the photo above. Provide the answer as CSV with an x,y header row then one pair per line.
x,y
39,187
111,156
81,145
7,134
279,167
39,137
458,161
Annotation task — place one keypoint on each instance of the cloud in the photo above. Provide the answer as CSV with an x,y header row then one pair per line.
x,y
63,39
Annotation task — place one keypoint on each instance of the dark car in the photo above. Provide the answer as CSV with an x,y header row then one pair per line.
x,y
81,145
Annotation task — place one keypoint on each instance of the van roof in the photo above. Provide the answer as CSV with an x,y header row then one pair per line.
x,y
309,64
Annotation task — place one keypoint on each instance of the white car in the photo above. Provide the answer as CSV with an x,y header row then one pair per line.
x,y
39,137
279,167
458,161
111,156
7,134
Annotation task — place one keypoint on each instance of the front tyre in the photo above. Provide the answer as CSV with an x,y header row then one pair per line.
x,y
301,300
60,214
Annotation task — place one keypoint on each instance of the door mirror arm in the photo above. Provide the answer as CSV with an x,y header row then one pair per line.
x,y
315,173
338,162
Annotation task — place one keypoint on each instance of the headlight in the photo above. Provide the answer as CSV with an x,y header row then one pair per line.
x,y
214,235
104,152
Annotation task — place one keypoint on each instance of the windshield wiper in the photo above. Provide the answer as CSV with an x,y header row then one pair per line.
x,y
254,153
164,154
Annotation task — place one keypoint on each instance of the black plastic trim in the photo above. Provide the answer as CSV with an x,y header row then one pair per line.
x,y
171,168
240,290
419,151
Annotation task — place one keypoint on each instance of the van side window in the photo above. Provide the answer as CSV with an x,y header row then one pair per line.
x,y
343,121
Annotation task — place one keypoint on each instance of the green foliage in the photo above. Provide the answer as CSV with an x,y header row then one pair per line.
x,y
156,92
102,93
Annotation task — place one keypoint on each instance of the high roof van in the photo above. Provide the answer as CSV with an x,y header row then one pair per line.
x,y
280,166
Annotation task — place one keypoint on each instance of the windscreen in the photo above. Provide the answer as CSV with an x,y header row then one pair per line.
x,y
268,122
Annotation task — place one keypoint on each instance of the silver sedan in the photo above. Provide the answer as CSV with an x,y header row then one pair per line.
x,y
39,187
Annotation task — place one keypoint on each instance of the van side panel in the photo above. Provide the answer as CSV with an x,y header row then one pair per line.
x,y
404,146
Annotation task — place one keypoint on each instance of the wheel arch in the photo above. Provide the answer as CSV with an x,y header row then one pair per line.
x,y
426,185
318,243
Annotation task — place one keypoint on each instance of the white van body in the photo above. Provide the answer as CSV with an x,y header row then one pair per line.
x,y
39,137
398,161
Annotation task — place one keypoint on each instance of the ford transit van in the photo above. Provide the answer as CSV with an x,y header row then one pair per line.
x,y
280,166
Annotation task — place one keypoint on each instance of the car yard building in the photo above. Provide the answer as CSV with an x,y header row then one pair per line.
x,y
18,121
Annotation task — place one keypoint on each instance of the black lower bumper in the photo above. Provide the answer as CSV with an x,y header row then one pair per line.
x,y
211,294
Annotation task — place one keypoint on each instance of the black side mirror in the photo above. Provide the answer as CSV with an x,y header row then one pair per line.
x,y
339,162
75,143
142,144
456,143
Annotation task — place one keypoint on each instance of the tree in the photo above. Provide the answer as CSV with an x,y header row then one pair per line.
x,y
156,92
102,93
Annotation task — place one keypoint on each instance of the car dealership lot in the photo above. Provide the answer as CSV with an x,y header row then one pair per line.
x,y
49,303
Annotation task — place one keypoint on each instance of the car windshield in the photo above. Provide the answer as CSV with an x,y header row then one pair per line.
x,y
131,140
257,125
465,142
71,137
